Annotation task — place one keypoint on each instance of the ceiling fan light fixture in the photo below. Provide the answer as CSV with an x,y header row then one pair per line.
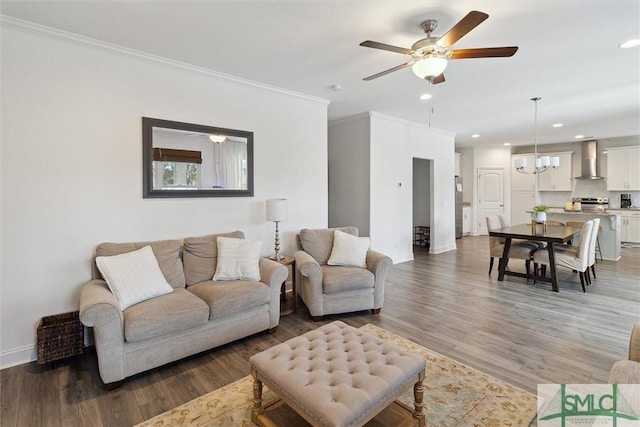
x,y
429,67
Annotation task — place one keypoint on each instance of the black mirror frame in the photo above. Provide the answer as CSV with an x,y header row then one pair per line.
x,y
147,158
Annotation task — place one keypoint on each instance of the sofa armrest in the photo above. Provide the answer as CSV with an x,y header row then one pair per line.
x,y
100,309
634,343
308,266
273,274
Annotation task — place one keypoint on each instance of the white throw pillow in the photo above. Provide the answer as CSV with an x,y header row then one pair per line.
x,y
238,259
134,276
349,250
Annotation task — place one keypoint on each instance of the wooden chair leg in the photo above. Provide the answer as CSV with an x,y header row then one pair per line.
x,y
582,281
527,266
490,265
593,270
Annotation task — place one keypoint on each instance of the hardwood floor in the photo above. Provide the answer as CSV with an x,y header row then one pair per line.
x,y
522,333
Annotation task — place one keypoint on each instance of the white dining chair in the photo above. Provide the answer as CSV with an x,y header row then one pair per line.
x,y
573,257
592,248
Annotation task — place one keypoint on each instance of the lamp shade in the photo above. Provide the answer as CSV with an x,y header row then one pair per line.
x,y
429,67
276,210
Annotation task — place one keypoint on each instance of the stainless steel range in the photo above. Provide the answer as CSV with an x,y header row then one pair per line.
x,y
592,204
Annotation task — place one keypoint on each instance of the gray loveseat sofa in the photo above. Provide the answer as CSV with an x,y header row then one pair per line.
x,y
197,315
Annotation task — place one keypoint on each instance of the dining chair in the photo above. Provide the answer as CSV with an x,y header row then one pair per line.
x,y
573,257
504,222
592,248
580,224
517,250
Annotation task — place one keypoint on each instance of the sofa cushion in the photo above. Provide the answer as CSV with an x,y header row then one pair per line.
x,y
133,277
319,243
167,252
341,279
349,250
227,298
164,315
200,256
238,259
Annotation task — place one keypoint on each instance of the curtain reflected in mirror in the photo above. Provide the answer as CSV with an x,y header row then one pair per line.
x,y
188,160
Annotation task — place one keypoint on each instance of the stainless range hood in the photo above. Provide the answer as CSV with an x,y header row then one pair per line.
x,y
590,167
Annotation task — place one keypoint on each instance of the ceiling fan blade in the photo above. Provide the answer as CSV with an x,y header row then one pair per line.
x,y
466,24
438,79
390,70
484,52
383,46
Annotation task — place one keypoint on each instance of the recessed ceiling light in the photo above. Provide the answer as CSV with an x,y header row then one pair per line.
x,y
630,43
557,125
506,144
475,135
425,96
579,136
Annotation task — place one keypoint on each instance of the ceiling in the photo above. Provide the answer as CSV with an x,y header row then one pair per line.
x,y
568,55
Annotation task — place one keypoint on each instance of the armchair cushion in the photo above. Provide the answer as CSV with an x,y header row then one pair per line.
x,y
319,243
341,279
134,276
238,259
349,250
164,315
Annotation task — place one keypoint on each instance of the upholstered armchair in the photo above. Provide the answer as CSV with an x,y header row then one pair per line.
x,y
628,371
354,282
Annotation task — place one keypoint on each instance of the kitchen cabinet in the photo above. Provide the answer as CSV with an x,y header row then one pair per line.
x,y
523,181
623,173
466,220
630,227
560,178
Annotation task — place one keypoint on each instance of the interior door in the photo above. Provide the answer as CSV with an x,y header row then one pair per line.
x,y
490,195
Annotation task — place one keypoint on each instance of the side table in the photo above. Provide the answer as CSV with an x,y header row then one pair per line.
x,y
288,306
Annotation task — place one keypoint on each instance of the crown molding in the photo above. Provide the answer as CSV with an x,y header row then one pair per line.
x,y
54,33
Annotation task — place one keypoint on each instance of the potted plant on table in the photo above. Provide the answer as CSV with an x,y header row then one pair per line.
x,y
539,214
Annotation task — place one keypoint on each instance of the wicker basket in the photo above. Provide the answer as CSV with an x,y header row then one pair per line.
x,y
60,336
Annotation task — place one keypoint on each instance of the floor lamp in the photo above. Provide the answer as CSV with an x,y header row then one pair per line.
x,y
276,212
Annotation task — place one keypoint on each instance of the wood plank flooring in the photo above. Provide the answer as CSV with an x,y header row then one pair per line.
x,y
522,333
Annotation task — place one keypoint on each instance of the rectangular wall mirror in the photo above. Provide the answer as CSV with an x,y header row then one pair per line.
x,y
189,160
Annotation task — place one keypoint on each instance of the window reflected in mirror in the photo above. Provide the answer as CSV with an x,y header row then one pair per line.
x,y
188,160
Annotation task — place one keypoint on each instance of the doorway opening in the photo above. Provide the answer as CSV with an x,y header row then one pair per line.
x,y
422,217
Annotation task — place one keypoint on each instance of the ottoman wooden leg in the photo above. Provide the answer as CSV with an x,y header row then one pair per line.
x,y
257,397
418,393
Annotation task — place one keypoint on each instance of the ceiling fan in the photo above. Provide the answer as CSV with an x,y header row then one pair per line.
x,y
430,55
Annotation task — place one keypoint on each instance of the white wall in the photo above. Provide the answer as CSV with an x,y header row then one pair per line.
x,y
71,165
394,145
349,164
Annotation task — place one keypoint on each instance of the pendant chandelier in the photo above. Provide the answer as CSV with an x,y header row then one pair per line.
x,y
542,163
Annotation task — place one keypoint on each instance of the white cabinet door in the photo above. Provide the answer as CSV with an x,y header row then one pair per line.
x,y
560,178
633,169
630,228
623,173
523,181
466,219
521,202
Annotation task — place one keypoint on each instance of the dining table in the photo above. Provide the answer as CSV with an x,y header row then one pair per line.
x,y
549,234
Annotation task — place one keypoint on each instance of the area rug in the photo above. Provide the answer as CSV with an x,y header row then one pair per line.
x,y
454,395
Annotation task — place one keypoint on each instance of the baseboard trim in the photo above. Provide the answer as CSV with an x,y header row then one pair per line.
x,y
18,356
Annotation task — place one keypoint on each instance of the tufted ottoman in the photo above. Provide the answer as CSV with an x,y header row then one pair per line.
x,y
336,375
